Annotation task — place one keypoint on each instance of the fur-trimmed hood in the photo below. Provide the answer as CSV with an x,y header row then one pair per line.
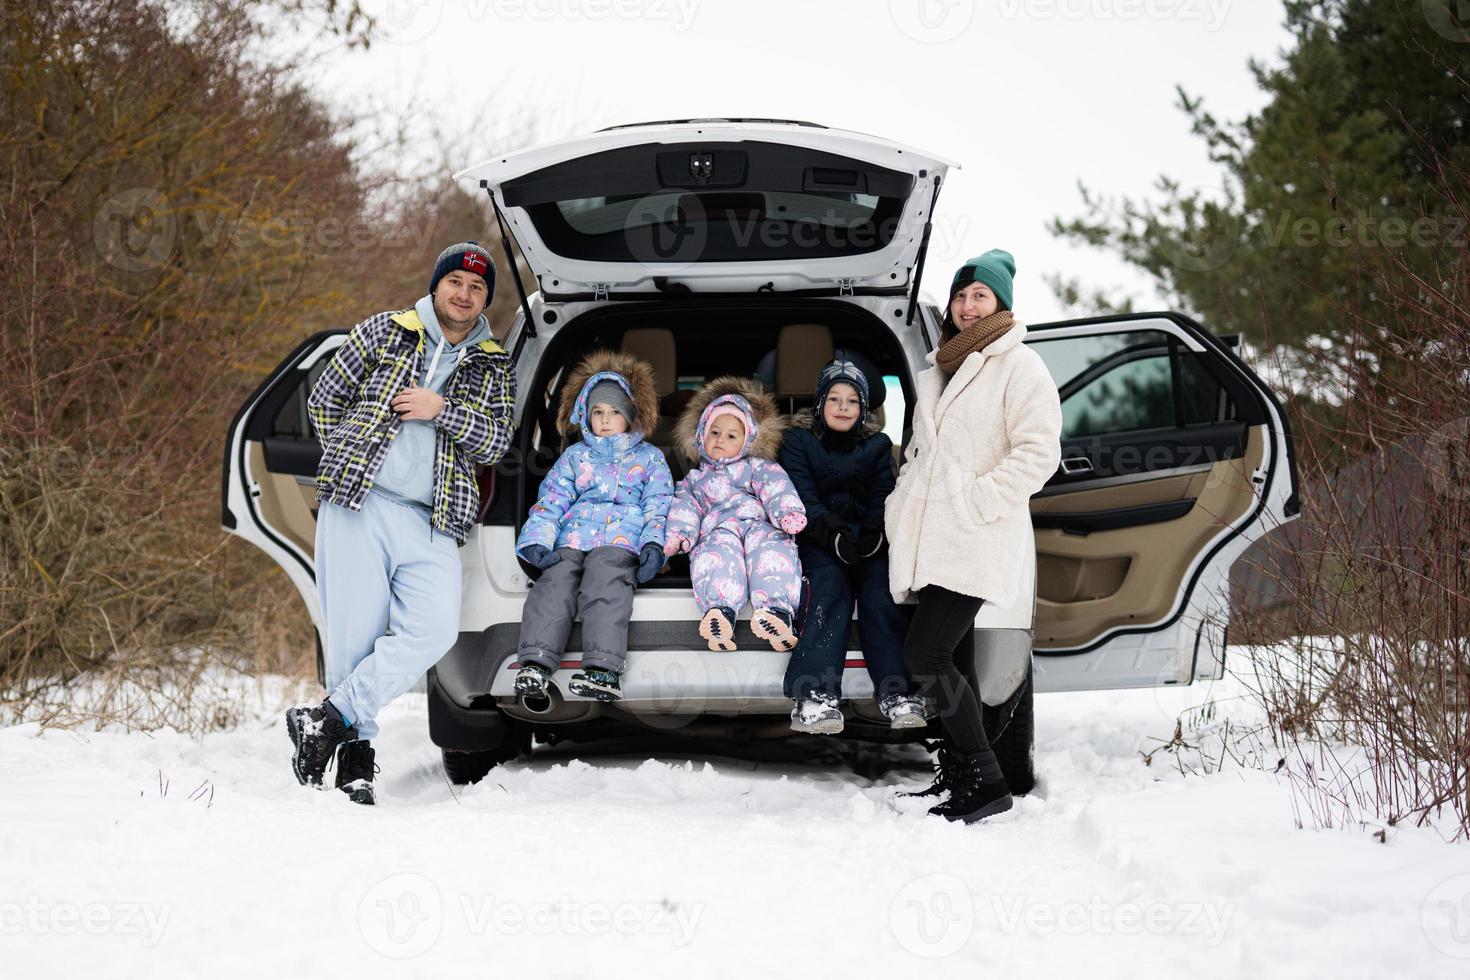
x,y
807,419
634,375
762,438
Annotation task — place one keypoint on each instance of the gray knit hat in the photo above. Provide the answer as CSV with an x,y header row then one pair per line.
x,y
609,392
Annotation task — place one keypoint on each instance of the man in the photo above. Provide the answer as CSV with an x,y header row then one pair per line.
x,y
404,411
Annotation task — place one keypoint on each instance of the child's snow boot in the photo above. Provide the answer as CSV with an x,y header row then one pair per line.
x,y
595,682
774,626
818,714
718,628
532,680
903,710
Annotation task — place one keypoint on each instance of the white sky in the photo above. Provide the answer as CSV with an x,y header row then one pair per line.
x,y
1030,96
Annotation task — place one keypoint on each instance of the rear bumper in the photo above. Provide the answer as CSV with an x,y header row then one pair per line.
x,y
672,683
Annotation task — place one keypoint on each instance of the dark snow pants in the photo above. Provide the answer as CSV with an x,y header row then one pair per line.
x,y
596,585
832,589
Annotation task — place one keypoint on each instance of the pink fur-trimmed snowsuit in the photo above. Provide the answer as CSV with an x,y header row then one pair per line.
x,y
731,510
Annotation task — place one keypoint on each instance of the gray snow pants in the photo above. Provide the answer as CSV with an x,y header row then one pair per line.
x,y
596,585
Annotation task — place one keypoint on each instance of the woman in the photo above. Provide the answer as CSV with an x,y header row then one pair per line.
x,y
986,436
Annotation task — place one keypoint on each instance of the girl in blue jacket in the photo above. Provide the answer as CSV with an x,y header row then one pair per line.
x,y
597,529
843,468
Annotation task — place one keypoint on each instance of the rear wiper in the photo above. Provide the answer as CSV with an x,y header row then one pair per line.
x,y
662,284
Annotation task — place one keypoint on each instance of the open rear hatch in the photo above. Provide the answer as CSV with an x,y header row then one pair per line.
x,y
717,206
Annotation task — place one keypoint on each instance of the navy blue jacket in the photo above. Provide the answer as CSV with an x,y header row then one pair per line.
x,y
843,479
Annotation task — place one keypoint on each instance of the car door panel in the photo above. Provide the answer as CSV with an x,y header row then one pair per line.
x,y
1174,458
271,451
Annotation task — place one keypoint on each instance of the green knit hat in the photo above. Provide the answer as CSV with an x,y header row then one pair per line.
x,y
996,268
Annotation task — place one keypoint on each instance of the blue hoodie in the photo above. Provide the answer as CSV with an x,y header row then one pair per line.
x,y
407,473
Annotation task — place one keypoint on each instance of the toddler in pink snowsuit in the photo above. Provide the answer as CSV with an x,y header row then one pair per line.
x,y
736,514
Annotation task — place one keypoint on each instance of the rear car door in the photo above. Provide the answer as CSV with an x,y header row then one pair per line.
x,y
1175,457
717,206
271,456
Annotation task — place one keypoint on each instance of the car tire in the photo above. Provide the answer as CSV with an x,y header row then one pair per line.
x,y
465,766
1014,746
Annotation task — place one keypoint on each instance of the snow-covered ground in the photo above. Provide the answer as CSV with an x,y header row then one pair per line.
x,y
154,855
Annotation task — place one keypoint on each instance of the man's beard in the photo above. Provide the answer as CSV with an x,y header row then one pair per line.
x,y
446,314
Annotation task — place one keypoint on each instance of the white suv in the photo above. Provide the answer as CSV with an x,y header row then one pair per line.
x,y
761,246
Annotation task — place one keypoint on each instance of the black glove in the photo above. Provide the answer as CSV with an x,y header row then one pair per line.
x,y
844,545
870,542
650,560
540,556
819,532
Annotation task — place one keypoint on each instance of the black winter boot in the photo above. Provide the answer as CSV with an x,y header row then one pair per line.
x,y
596,682
355,771
316,732
944,774
972,796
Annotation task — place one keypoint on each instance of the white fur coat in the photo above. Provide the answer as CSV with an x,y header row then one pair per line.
x,y
982,445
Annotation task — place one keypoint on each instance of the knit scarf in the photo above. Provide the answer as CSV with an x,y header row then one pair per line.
x,y
979,335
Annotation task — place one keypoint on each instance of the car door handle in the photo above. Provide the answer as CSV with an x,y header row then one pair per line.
x,y
1074,465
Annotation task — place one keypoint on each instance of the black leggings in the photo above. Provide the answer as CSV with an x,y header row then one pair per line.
x,y
941,623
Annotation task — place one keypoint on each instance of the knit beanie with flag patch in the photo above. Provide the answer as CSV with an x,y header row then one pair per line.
x,y
465,257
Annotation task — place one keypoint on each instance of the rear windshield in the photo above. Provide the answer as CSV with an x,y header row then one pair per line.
x,y
728,203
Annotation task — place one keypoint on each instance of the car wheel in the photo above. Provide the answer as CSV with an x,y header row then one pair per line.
x,y
1013,747
466,766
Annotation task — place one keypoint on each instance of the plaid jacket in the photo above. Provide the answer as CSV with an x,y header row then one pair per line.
x,y
349,407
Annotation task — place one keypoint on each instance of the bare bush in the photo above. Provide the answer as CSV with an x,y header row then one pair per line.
x,y
1368,595
177,213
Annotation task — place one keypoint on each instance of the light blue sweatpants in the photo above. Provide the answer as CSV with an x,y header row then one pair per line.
x,y
378,570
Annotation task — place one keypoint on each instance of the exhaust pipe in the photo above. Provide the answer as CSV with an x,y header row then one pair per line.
x,y
537,704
